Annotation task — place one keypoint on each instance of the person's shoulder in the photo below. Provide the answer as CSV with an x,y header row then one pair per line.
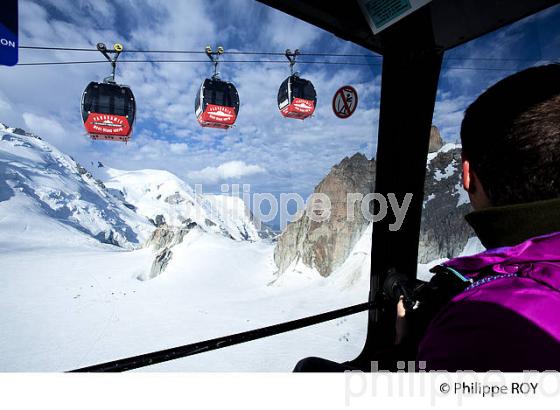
x,y
479,330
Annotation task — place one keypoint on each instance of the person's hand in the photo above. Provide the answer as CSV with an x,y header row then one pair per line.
x,y
401,327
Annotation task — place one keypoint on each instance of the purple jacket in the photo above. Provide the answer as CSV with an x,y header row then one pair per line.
x,y
509,319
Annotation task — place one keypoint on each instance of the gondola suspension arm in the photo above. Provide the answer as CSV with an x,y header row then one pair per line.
x,y
214,56
291,56
116,52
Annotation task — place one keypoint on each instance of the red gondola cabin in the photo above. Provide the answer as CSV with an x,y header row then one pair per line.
x,y
108,111
217,104
297,98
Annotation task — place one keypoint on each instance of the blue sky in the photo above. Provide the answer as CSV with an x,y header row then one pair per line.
x,y
271,153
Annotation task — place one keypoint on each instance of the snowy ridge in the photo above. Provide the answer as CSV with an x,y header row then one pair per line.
x,y
235,216
451,171
121,208
446,148
41,184
164,198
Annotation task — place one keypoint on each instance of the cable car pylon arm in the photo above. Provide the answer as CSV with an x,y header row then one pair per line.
x,y
214,56
116,51
291,56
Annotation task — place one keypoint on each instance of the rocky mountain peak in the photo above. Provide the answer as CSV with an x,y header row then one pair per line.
x,y
436,142
325,245
353,162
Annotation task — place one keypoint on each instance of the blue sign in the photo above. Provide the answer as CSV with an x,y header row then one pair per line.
x,y
9,32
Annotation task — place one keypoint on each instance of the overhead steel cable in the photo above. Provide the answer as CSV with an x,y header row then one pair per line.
x,y
268,53
233,52
268,61
339,63
195,61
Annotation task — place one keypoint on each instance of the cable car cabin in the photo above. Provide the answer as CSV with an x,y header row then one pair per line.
x,y
217,104
297,98
108,111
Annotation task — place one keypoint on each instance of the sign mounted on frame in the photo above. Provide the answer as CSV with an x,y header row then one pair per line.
x,y
381,14
9,32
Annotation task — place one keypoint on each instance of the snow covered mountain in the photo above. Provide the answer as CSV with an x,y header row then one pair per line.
x,y
44,192
164,198
43,189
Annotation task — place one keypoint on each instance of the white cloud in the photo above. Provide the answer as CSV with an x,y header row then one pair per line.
x,y
4,106
42,126
283,32
178,148
229,170
66,138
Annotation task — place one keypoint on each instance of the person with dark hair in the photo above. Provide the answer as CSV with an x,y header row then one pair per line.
x,y
508,318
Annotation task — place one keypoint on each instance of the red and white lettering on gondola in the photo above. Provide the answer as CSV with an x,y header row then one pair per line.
x,y
217,116
299,108
303,106
107,124
220,113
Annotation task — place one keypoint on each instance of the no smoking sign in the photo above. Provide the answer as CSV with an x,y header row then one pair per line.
x,y
345,101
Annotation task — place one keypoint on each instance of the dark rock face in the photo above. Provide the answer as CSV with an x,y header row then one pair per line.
x,y
175,199
158,266
266,232
325,245
436,142
108,238
160,220
166,236
19,131
443,231
163,239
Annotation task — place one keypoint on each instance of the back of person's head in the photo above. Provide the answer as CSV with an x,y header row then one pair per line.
x,y
511,137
